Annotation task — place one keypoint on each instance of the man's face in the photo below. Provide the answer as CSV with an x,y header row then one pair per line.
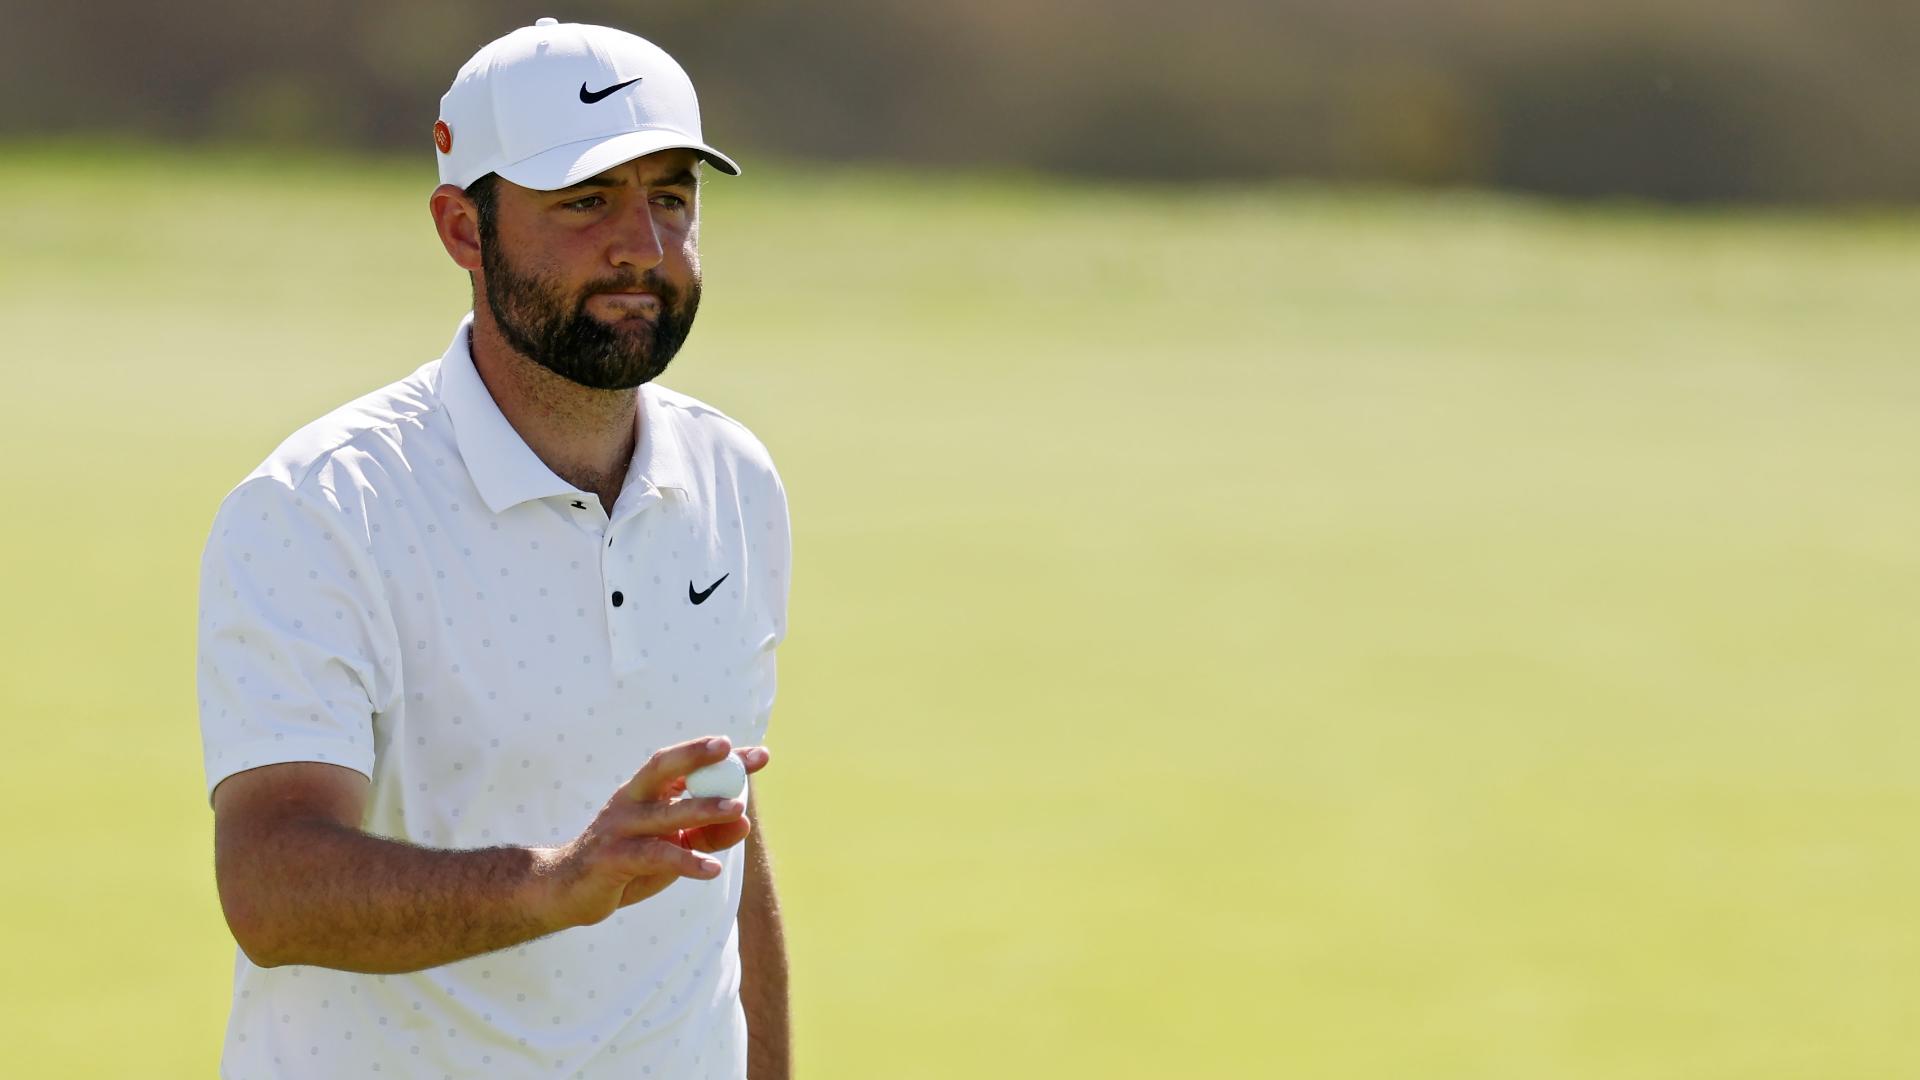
x,y
598,282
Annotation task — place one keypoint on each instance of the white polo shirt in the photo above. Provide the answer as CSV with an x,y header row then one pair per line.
x,y
405,590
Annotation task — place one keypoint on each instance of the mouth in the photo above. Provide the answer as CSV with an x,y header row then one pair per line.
x,y
625,305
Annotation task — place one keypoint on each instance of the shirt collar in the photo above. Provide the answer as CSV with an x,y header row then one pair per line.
x,y
506,470
659,455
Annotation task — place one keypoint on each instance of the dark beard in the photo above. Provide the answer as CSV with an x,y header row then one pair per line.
x,y
537,321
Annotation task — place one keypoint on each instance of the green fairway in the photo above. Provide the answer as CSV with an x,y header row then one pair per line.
x,y
1234,633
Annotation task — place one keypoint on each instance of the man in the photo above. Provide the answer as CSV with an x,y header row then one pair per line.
x,y
461,640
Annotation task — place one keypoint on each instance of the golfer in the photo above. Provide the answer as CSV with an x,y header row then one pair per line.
x,y
462,639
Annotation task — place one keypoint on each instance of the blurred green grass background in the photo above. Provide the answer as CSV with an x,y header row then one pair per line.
x,y
1237,632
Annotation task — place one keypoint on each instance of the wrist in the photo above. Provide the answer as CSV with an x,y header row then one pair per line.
x,y
540,894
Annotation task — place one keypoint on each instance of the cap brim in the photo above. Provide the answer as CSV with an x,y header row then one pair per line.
x,y
564,166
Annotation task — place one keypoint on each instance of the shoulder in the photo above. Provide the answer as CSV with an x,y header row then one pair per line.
x,y
353,450
712,438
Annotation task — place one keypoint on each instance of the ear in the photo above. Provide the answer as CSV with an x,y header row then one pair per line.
x,y
457,221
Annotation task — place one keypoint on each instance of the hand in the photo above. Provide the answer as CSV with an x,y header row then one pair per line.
x,y
643,839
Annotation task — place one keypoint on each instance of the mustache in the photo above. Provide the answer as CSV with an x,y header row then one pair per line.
x,y
649,281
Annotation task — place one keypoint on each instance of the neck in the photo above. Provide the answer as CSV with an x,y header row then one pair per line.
x,y
585,436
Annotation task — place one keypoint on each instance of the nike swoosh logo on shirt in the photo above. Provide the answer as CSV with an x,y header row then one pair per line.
x,y
701,596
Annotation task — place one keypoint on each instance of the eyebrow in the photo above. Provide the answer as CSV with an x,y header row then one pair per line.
x,y
684,178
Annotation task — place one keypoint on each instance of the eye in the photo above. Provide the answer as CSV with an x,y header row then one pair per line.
x,y
585,202
670,201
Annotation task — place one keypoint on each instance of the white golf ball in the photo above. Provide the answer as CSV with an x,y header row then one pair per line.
x,y
724,779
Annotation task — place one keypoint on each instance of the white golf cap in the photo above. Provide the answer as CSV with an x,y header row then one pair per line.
x,y
552,104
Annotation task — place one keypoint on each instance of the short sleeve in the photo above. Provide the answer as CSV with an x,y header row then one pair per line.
x,y
296,644
778,553
773,551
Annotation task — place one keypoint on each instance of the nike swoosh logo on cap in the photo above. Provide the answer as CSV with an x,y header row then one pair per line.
x,y
588,97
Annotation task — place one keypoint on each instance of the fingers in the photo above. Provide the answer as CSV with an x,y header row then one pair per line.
x,y
717,837
754,758
640,856
656,778
669,819
664,774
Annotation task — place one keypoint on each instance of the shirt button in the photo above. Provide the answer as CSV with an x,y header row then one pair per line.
x,y
617,598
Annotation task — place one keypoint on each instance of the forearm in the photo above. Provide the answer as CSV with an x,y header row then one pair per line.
x,y
320,893
763,968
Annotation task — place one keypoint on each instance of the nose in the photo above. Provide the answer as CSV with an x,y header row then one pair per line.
x,y
636,240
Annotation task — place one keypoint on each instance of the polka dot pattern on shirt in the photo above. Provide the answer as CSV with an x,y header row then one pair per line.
x,y
384,595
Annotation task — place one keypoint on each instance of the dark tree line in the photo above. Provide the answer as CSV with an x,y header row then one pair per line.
x,y
1689,100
